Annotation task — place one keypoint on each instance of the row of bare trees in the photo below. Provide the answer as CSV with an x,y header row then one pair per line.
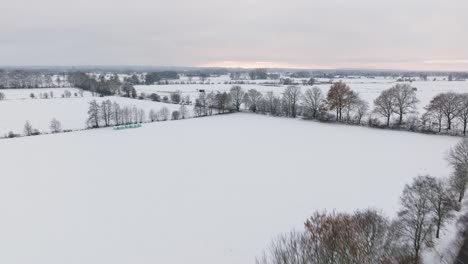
x,y
369,237
312,103
18,79
108,113
399,101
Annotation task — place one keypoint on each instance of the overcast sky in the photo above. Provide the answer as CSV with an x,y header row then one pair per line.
x,y
384,34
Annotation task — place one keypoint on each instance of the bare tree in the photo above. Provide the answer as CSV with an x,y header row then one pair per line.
x,y
405,100
153,115
106,112
237,95
361,109
415,215
434,111
365,237
291,96
55,126
336,98
116,113
28,129
141,116
251,99
93,114
164,113
459,182
350,104
385,104
442,203
222,101
135,114
313,100
183,111
450,106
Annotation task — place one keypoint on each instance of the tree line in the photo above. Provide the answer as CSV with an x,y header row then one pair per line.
x,y
108,113
395,107
20,79
368,236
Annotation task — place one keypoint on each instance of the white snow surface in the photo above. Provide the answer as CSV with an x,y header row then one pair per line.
x,y
71,112
201,191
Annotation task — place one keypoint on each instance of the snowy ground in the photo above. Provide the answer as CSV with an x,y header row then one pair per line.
x,y
15,94
368,88
201,191
71,112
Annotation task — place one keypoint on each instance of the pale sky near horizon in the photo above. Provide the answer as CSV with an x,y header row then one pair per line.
x,y
325,34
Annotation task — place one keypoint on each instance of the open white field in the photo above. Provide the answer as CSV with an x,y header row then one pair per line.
x,y
71,112
368,88
15,94
200,191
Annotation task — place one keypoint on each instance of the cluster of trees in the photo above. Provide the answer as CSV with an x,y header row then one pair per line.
x,y
258,74
109,113
206,103
155,77
312,104
100,85
30,79
370,237
447,108
399,101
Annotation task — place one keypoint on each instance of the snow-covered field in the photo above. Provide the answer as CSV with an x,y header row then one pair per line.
x,y
71,112
368,88
201,191
15,94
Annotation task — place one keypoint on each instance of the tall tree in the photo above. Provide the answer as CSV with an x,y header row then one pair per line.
x,y
458,158
405,100
93,114
450,106
291,95
55,126
415,215
384,105
28,129
336,98
251,99
313,99
434,111
237,95
441,201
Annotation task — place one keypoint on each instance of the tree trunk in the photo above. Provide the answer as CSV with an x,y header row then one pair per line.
x,y
388,121
438,229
